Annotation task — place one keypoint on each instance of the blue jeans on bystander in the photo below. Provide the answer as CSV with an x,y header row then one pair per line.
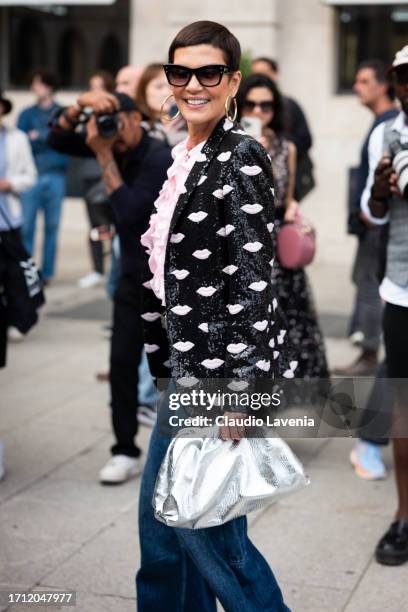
x,y
47,194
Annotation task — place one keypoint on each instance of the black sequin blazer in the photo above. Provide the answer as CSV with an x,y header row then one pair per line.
x,y
220,319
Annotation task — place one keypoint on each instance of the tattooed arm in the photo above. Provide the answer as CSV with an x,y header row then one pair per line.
x,y
110,171
102,147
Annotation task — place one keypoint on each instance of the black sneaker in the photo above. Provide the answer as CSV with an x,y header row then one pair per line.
x,y
392,549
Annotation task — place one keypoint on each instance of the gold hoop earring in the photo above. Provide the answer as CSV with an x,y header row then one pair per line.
x,y
228,108
165,118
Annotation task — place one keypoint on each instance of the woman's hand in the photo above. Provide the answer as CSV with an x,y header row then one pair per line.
x,y
232,431
292,211
266,139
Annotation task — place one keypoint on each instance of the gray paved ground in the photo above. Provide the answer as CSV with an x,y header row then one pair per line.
x,y
60,529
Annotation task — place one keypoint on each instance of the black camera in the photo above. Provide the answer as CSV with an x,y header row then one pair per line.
x,y
399,158
108,125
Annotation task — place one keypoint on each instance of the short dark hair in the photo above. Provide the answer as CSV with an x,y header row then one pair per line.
x,y
273,64
381,73
208,33
259,80
47,77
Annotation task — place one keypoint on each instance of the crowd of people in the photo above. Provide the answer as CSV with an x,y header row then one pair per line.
x,y
189,207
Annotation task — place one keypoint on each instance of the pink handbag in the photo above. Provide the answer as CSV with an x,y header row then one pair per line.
x,y
296,243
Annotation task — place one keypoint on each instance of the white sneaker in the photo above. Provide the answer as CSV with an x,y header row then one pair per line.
x,y
14,335
146,415
119,469
93,279
2,468
357,338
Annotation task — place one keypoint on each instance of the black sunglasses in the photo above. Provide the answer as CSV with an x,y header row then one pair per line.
x,y
207,76
265,106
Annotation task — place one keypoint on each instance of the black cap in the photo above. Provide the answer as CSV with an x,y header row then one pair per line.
x,y
6,104
126,103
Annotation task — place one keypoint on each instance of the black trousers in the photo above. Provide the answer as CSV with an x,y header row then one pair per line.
x,y
395,326
95,247
391,378
376,421
126,351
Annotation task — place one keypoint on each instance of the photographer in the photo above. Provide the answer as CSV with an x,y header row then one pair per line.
x,y
385,200
133,169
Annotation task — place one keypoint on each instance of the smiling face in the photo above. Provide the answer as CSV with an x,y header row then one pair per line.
x,y
201,105
260,105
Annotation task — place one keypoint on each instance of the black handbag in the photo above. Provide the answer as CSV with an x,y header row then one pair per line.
x,y
21,281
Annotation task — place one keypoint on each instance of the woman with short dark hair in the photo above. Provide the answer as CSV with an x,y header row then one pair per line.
x,y
210,313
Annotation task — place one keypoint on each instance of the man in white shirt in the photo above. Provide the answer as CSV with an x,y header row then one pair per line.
x,y
385,200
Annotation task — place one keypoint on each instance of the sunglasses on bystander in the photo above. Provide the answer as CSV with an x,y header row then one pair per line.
x,y
266,106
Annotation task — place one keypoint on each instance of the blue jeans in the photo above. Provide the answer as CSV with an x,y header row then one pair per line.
x,y
147,392
185,570
47,194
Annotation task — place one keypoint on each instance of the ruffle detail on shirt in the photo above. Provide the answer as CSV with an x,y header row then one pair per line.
x,y
156,237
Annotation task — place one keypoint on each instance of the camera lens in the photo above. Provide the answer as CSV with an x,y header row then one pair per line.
x,y
400,164
107,125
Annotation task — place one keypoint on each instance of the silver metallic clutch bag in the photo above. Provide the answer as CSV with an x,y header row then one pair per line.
x,y
204,482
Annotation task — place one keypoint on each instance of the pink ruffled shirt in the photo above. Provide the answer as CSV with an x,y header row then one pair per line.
x,y
156,237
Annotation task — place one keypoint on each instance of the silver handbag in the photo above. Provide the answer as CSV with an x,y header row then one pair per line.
x,y
205,482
